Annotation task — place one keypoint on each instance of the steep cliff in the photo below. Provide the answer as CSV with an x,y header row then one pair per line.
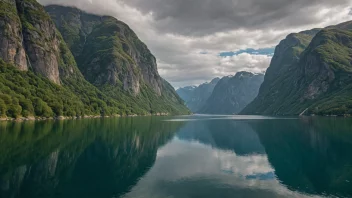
x,y
39,75
40,39
111,57
233,93
318,80
107,50
32,43
29,39
12,49
196,97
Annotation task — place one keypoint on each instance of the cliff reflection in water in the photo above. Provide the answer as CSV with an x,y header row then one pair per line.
x,y
236,136
183,157
253,158
310,155
80,158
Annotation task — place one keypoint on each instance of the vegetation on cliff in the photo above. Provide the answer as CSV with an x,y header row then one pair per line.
x,y
111,57
39,76
317,79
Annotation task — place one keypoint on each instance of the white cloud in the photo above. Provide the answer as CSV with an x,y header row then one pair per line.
x,y
197,68
180,53
244,62
180,164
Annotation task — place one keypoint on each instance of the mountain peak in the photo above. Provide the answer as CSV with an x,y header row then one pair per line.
x,y
243,73
233,93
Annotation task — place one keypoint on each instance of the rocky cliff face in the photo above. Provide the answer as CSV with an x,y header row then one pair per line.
x,y
40,39
317,80
29,38
233,93
111,57
12,49
107,51
115,60
196,97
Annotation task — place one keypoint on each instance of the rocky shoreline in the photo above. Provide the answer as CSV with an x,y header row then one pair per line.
x,y
32,118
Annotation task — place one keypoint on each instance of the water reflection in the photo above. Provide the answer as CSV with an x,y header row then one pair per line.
x,y
310,155
184,157
236,136
84,158
253,158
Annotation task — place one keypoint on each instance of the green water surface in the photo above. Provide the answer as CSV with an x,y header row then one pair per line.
x,y
171,157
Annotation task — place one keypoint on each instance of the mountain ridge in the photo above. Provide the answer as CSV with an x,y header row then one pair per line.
x,y
233,93
228,95
112,58
196,96
36,64
317,81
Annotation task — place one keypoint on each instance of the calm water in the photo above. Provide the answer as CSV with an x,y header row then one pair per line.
x,y
186,157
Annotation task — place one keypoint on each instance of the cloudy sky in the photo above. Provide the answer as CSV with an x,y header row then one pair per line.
x,y
197,40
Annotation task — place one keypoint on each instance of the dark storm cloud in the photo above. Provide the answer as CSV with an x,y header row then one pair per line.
x,y
202,17
197,40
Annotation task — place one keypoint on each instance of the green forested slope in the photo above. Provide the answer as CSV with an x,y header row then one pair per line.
x,y
39,76
318,80
111,57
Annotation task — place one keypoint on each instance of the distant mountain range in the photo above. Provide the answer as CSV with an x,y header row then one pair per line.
x,y
310,74
228,95
195,97
233,93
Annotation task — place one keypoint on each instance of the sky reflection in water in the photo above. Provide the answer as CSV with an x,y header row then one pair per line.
x,y
185,156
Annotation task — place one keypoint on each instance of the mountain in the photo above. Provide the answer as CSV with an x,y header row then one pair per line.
x,y
186,92
310,73
195,97
233,93
111,57
39,76
107,50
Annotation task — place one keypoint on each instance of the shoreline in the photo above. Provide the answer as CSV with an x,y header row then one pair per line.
x,y
32,118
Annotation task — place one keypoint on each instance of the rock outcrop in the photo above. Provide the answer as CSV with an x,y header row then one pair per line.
x,y
29,38
12,49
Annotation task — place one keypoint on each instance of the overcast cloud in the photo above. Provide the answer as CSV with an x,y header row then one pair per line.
x,y
187,36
